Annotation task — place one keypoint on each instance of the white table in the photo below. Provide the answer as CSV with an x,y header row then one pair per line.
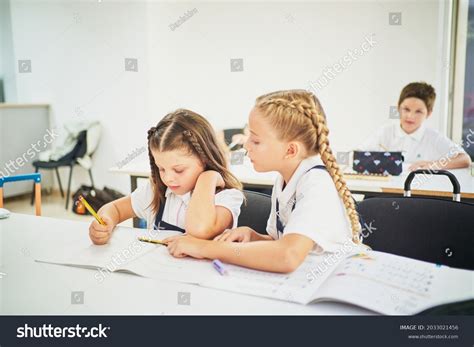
x,y
31,288
438,186
428,185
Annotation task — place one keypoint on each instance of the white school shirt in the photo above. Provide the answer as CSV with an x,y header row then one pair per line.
x,y
423,144
176,205
319,213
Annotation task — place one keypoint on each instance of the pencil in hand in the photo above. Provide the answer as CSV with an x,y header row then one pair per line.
x,y
157,242
91,210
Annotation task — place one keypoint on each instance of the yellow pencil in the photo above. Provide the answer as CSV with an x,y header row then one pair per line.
x,y
146,239
91,210
383,147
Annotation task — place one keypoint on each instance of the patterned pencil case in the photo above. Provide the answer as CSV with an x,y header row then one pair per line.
x,y
385,163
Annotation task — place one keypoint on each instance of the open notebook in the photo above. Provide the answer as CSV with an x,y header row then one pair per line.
x,y
381,282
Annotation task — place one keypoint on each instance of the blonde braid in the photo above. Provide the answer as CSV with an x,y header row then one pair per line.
x,y
295,105
319,123
318,120
333,168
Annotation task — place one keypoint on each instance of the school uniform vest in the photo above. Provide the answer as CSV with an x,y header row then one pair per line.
x,y
279,225
162,225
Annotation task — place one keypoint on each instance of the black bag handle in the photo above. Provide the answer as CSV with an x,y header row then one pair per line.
x,y
452,178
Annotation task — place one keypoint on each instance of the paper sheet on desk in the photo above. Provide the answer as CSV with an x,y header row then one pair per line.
x,y
395,285
159,264
295,287
154,261
124,253
379,281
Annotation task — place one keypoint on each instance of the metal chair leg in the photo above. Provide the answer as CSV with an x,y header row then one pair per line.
x,y
90,175
59,182
68,195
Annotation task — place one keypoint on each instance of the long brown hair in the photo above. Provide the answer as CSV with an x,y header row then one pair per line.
x,y
185,129
298,115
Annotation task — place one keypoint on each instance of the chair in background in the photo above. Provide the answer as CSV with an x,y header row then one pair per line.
x,y
37,188
68,160
228,133
255,211
428,229
433,230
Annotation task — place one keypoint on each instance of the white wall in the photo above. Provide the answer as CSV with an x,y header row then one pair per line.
x,y
7,63
78,50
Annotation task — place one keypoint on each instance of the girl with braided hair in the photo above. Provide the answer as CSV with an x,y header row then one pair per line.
x,y
191,189
312,208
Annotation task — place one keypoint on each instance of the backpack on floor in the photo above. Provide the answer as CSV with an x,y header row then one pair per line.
x,y
95,197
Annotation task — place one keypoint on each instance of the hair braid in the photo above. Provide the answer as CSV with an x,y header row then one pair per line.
x,y
189,136
333,168
158,187
285,104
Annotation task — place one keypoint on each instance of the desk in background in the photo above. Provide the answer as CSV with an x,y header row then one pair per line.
x,y
430,186
434,186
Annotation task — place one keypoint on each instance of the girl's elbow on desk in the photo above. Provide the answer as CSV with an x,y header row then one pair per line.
x,y
202,230
295,249
292,258
209,228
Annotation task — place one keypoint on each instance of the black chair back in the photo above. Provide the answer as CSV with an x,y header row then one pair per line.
x,y
432,230
228,133
79,150
255,211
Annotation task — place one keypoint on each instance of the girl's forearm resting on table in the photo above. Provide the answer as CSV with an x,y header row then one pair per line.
x,y
118,210
260,237
283,255
203,219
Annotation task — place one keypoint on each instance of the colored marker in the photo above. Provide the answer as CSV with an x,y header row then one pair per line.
x,y
219,266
